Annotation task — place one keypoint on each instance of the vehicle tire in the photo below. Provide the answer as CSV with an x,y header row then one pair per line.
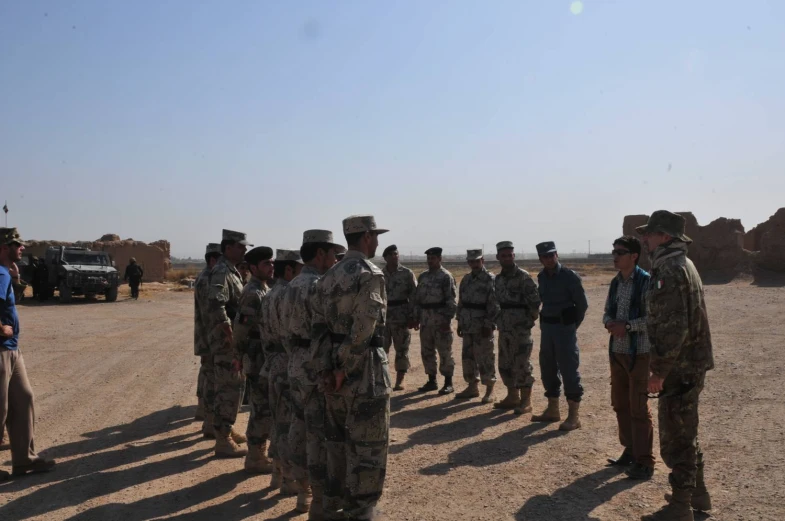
x,y
111,294
65,293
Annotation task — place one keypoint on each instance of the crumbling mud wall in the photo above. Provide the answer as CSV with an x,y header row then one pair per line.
x,y
154,257
716,247
768,238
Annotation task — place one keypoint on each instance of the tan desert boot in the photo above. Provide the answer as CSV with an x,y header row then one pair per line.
x,y
225,447
199,416
526,401
208,431
471,391
678,509
316,513
399,381
511,401
238,437
573,420
277,478
551,413
256,461
488,398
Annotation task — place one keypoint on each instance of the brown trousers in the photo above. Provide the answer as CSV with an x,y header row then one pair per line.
x,y
16,406
630,400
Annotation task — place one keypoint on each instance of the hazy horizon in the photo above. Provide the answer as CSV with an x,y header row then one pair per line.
x,y
457,124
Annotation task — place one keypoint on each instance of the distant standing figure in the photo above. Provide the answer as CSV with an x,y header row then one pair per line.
x,y
133,275
401,285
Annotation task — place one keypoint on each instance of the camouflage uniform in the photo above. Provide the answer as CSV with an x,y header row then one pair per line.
x,y
681,353
353,299
248,348
435,306
401,286
519,301
205,387
223,303
305,452
276,361
477,311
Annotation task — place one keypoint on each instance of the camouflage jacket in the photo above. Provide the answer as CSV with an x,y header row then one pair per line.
x,y
223,303
435,301
401,286
270,326
678,323
296,310
201,336
518,298
477,307
247,336
351,307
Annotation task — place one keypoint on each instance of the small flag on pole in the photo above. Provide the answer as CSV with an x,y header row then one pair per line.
x,y
5,207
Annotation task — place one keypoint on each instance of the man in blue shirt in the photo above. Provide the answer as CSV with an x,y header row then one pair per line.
x,y
564,306
16,395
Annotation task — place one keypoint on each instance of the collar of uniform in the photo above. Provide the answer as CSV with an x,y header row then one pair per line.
x,y
354,254
309,270
231,266
387,268
556,270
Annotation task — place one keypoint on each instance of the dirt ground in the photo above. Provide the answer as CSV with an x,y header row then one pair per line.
x,y
115,397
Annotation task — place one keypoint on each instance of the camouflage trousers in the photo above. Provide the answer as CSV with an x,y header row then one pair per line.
x,y
280,407
515,353
260,421
478,358
433,339
678,424
305,451
399,336
206,380
357,432
315,438
229,387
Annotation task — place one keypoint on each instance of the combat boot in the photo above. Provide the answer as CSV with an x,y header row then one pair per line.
x,y
511,401
526,401
700,500
225,447
488,398
471,391
431,385
677,509
573,420
289,487
551,413
303,496
448,388
256,461
208,431
399,381
238,437
316,513
199,416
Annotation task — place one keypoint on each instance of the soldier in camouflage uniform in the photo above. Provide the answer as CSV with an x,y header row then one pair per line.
x,y
681,353
223,303
348,349
434,308
276,361
306,433
401,285
248,348
205,379
519,301
477,312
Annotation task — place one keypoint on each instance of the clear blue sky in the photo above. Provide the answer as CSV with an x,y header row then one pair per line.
x,y
458,123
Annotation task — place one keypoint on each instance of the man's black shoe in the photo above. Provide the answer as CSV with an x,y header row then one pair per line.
x,y
431,385
624,460
640,472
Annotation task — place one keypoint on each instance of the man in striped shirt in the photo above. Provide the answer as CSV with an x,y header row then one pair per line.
x,y
625,320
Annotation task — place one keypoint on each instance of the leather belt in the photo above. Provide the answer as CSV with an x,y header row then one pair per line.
x,y
376,340
513,306
436,305
471,305
393,303
298,341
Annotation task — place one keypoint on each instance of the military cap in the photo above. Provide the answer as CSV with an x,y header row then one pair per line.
x,y
504,245
322,236
389,249
288,255
239,237
258,254
132,260
545,248
434,251
666,222
10,236
361,223
472,255
213,247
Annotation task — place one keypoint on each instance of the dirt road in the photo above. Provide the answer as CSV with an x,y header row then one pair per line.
x,y
115,388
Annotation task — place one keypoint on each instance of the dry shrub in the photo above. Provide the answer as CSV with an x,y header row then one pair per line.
x,y
178,274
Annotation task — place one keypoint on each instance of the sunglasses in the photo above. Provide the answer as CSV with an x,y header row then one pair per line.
x,y
619,253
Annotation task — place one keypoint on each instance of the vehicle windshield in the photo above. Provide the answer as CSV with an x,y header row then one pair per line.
x,y
89,259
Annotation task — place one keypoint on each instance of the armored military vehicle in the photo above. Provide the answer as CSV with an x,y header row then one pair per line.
x,y
78,271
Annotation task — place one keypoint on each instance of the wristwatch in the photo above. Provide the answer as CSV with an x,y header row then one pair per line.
x,y
628,326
